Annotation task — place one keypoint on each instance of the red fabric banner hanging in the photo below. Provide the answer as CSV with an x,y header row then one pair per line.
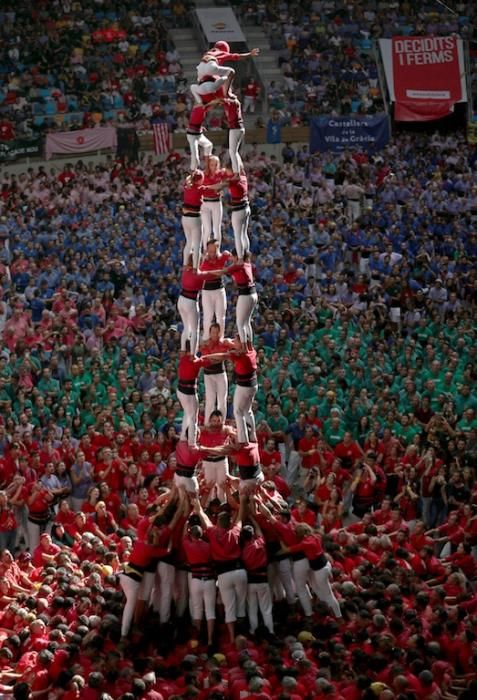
x,y
427,77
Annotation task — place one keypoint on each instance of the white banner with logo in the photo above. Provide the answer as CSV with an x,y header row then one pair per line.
x,y
220,23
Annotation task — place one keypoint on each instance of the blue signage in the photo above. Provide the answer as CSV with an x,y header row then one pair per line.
x,y
364,132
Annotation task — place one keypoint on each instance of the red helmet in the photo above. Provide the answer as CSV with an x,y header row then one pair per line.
x,y
222,46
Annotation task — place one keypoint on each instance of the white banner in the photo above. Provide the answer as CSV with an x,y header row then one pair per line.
x,y
220,23
81,141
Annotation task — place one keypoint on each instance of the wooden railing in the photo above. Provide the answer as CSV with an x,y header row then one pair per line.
x,y
290,134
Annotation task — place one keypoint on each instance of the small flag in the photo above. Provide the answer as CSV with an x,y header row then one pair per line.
x,y
162,138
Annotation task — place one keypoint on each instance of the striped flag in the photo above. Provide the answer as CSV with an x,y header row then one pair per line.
x,y
162,138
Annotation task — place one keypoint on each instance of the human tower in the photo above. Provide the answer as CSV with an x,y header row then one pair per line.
x,y
202,303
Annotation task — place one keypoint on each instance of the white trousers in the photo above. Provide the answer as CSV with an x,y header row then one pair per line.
x,y
190,484
216,473
239,220
320,581
285,575
211,214
202,597
192,226
235,141
248,103
181,591
244,309
190,406
216,388
195,141
131,589
233,591
76,503
293,468
208,88
34,531
353,209
189,313
214,307
259,596
243,414
211,67
164,590
301,573
247,485
147,584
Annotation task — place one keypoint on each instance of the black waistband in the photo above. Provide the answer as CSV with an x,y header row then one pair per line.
x,y
214,458
238,206
216,368
39,518
190,294
298,556
249,471
211,199
222,567
247,380
257,576
189,389
202,570
210,285
318,563
185,471
134,571
194,215
190,130
245,289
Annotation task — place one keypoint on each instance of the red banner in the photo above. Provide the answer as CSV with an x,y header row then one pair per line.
x,y
427,77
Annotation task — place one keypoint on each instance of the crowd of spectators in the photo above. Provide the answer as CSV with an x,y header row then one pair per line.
x,y
326,49
68,65
366,417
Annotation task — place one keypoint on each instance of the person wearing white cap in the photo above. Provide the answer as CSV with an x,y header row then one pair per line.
x,y
150,681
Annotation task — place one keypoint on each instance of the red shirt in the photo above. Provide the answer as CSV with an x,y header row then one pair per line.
x,y
349,452
143,553
191,281
242,275
187,457
268,458
192,196
305,445
233,114
238,189
210,348
40,504
224,544
212,438
196,119
38,552
188,370
197,551
254,554
247,456
212,179
308,517
245,364
286,532
310,546
220,56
